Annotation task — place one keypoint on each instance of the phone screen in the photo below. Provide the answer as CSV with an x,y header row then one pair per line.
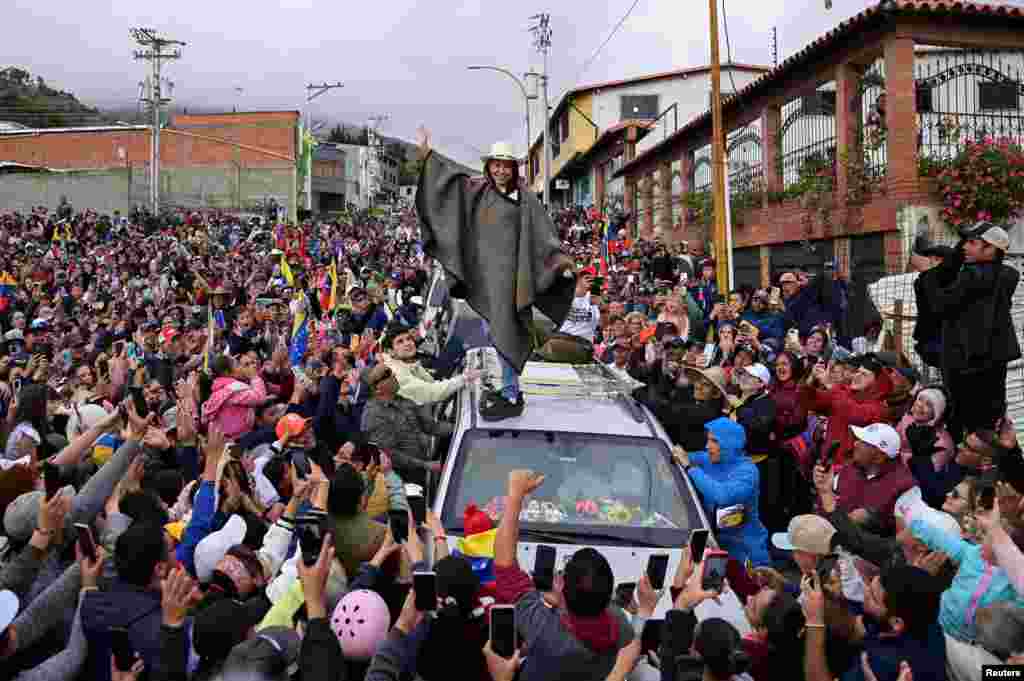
x,y
302,467
121,647
311,537
709,353
698,540
678,631
503,630
715,564
418,506
139,400
85,540
399,521
425,586
51,479
657,566
650,638
544,568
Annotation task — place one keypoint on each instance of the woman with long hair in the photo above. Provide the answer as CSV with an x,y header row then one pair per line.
x,y
791,431
30,420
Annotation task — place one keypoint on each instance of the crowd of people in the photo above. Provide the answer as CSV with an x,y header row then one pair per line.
x,y
208,436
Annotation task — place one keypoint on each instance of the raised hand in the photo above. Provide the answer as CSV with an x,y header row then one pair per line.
x,y
423,140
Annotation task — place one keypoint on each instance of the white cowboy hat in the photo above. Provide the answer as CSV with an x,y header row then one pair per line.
x,y
501,151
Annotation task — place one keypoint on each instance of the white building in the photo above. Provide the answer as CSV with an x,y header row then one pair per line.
x,y
593,119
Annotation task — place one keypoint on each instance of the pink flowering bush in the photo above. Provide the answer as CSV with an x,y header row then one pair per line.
x,y
985,181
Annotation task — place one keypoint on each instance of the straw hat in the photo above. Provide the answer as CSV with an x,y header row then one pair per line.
x,y
501,151
716,375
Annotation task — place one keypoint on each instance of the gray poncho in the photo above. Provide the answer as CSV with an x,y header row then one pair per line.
x,y
503,255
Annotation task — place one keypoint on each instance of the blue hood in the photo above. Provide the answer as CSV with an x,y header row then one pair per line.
x,y
732,440
734,480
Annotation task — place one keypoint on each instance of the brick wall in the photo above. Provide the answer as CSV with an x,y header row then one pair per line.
x,y
246,139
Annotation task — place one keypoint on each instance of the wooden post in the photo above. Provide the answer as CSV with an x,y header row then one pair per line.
x,y
898,319
720,239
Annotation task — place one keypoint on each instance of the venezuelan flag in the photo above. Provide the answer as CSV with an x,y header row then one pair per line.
x,y
332,272
286,271
7,287
300,337
211,329
478,549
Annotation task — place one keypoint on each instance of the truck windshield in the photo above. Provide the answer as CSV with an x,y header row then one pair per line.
x,y
613,486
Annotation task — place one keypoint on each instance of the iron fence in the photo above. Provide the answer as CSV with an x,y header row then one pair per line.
x,y
702,169
746,169
967,95
807,136
871,87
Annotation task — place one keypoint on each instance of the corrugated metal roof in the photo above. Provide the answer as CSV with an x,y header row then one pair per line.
x,y
842,31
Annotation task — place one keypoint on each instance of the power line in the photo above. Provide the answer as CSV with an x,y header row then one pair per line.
x,y
728,47
592,57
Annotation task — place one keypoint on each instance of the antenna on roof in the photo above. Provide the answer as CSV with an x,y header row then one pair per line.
x,y
775,45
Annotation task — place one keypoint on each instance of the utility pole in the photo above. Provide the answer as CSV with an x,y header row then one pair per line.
x,y
156,50
374,148
312,92
775,46
542,41
723,266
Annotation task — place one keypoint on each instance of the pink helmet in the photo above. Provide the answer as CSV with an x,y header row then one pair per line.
x,y
361,621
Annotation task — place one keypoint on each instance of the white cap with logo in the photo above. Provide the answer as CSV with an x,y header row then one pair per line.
x,y
881,436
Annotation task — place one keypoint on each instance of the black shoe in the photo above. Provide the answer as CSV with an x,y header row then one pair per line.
x,y
497,407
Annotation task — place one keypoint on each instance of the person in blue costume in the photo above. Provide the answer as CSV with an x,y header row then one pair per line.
x,y
729,484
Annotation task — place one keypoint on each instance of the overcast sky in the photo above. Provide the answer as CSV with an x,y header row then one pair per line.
x,y
404,58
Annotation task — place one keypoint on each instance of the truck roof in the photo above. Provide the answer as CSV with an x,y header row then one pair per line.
x,y
562,398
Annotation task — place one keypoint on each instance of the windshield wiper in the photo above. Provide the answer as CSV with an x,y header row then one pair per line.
x,y
580,537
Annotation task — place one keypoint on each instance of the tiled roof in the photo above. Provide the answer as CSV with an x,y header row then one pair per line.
x,y
843,30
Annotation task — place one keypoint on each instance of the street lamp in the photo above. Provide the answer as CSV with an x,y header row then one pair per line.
x,y
526,102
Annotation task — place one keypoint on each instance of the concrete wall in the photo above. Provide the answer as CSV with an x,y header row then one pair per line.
x,y
690,94
105,190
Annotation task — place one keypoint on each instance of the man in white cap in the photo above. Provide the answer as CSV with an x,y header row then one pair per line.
x,y
812,539
870,486
498,244
755,411
973,300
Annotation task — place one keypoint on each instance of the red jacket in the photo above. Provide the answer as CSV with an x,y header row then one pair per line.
x,y
790,413
844,408
878,493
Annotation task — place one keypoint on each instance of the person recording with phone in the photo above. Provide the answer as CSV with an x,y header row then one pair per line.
x,y
569,632
692,650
